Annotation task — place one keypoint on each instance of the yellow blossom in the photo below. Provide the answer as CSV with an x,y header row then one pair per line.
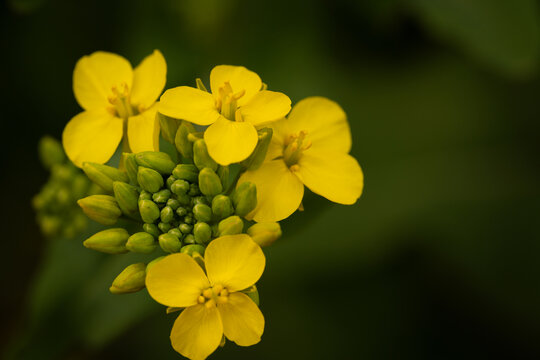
x,y
238,103
308,148
117,101
214,305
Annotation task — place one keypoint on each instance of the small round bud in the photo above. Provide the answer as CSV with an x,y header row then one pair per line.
x,y
130,280
159,161
188,219
193,190
164,227
145,195
186,172
149,211
180,187
161,196
202,212
189,239
222,206
230,226
202,233
201,158
245,198
170,243
170,180
209,182
167,214
176,232
190,249
152,229
181,211
173,204
149,179
185,228
141,242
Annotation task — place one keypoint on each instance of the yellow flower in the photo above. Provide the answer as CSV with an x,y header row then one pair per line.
x,y
213,301
235,107
116,99
309,148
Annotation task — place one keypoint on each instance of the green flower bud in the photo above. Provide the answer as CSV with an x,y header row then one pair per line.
x,y
180,187
149,179
130,280
50,152
186,172
194,190
201,157
170,180
264,233
154,262
245,198
185,228
202,232
170,243
131,167
111,241
149,211
188,219
159,161
101,208
152,229
255,160
173,204
222,206
176,232
190,249
161,196
230,226
145,195
189,239
209,182
183,145
168,127
184,199
127,197
103,175
141,242
181,211
200,200
223,173
202,212
164,227
167,214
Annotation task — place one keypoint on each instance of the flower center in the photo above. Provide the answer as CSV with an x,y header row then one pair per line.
x,y
213,295
295,145
227,102
120,100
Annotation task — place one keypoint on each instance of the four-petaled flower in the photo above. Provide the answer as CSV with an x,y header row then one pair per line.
x,y
235,107
213,301
308,148
118,101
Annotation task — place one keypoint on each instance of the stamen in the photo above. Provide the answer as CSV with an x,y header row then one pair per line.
x,y
208,293
295,145
201,299
210,303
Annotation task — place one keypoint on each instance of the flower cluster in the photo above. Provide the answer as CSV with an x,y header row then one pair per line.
x,y
238,160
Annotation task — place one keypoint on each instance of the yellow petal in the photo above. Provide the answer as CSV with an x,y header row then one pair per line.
x,y
143,131
240,79
279,191
234,261
96,74
230,141
266,106
336,176
189,104
92,136
149,80
176,281
197,332
242,320
325,122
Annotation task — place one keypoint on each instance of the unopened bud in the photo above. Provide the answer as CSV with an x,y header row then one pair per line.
x,y
145,195
255,160
194,248
50,152
265,233
131,167
223,173
176,232
189,239
230,226
186,172
209,182
185,228
201,157
164,227
149,211
181,211
130,280
149,179
101,208
167,214
180,187
183,145
127,197
202,212
222,206
194,190
168,127
151,229
161,196
245,198
104,175
111,241
170,243
154,262
188,219
141,242
159,161
202,232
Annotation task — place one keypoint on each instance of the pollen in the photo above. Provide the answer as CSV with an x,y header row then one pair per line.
x,y
294,147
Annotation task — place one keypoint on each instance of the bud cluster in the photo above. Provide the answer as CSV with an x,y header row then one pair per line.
x,y
56,204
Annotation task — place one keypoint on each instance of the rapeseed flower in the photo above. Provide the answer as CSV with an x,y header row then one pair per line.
x,y
237,105
213,301
308,148
118,101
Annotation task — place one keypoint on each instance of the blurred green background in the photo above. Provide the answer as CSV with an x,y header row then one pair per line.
x,y
438,260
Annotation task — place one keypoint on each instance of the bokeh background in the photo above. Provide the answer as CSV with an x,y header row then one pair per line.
x,y
440,258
